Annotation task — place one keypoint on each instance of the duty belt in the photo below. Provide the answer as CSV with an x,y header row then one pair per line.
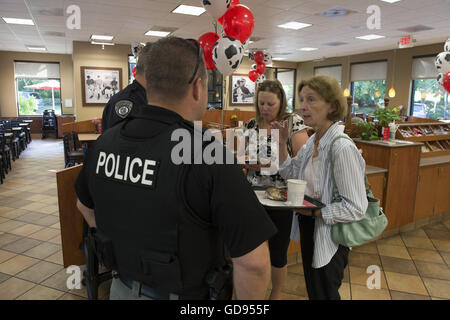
x,y
142,289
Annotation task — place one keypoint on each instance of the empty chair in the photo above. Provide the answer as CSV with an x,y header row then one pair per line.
x,y
5,152
71,157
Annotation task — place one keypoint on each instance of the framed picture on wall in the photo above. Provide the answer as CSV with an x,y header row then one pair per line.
x,y
242,90
98,85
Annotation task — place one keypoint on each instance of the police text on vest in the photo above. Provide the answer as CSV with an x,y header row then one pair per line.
x,y
135,170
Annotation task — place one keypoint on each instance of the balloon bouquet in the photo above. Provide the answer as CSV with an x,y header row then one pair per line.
x,y
442,64
226,52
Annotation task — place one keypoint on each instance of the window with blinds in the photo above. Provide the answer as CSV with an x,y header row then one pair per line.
x,y
428,99
368,86
38,87
331,71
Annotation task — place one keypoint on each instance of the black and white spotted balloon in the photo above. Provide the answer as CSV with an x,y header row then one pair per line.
x,y
253,67
447,45
442,62
261,79
227,55
216,8
440,80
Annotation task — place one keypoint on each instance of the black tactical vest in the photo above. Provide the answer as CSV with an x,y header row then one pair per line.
x,y
139,205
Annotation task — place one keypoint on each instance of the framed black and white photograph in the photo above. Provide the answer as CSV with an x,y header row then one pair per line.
x,y
242,90
99,85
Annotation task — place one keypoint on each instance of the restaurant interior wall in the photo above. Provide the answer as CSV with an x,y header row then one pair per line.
x,y
8,99
402,73
89,55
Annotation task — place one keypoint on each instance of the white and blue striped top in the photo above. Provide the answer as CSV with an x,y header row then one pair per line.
x,y
349,170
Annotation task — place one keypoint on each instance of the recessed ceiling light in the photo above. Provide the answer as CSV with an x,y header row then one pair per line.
x,y
308,49
294,25
27,22
37,48
102,43
278,59
370,37
100,37
189,10
391,1
157,33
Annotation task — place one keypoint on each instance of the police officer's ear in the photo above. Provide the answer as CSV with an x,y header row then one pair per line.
x,y
198,89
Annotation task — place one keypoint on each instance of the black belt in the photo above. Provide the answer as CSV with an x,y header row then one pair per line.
x,y
148,291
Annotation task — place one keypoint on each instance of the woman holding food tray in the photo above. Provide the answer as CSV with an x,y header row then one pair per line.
x,y
270,105
321,105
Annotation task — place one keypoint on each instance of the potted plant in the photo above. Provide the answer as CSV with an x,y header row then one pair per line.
x,y
367,131
385,116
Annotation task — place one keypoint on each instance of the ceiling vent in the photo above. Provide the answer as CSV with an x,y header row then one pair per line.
x,y
54,34
416,28
335,44
336,12
53,12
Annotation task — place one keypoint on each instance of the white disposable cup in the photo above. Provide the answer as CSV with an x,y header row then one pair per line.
x,y
296,191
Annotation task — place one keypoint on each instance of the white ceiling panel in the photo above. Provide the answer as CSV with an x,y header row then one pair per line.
x,y
127,21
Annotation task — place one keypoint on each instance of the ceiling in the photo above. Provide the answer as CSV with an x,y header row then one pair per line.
x,y
129,20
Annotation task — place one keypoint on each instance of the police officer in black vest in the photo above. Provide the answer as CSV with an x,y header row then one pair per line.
x,y
127,101
168,220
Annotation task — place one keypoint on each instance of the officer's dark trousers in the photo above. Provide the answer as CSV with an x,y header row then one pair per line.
x,y
322,283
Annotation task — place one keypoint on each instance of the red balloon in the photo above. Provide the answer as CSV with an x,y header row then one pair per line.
x,y
253,75
134,72
446,82
239,22
258,56
260,68
233,3
207,42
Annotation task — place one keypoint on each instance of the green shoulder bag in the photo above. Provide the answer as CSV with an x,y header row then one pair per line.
x,y
356,233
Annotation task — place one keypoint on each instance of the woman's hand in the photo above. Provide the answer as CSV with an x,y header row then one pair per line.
x,y
283,131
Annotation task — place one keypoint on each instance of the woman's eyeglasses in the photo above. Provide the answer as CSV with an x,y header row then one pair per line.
x,y
199,57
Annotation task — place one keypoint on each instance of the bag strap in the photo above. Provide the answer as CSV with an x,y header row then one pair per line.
x,y
289,142
336,196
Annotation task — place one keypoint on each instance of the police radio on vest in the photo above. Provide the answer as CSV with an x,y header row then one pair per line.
x,y
136,170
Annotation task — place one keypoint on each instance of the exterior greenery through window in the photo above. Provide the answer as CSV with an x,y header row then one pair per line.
x,y
429,100
34,101
366,95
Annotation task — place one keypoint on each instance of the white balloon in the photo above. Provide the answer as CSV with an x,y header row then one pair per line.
x,y
261,79
227,55
267,58
216,8
442,62
253,67
447,46
440,80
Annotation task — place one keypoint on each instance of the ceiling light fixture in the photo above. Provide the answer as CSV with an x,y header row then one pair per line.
x,y
371,37
37,48
103,43
308,49
153,33
391,1
294,25
100,37
27,22
189,10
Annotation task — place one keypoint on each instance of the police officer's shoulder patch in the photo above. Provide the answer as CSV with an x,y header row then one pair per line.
x,y
123,108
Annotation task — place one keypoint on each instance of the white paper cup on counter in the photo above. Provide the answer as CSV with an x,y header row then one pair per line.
x,y
296,191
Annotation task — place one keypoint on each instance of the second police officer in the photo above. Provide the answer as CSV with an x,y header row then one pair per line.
x,y
166,228
128,101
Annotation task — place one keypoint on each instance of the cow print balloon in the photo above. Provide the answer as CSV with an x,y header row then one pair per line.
x,y
447,46
442,62
216,8
267,58
440,80
253,67
261,79
227,55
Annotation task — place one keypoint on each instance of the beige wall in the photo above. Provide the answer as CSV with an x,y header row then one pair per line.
x,y
401,76
89,55
244,68
8,99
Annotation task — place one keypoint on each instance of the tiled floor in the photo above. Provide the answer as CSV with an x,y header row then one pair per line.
x,y
413,265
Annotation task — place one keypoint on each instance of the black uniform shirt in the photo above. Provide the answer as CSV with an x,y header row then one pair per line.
x,y
123,104
217,193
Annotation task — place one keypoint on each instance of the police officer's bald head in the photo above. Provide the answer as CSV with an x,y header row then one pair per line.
x,y
170,66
